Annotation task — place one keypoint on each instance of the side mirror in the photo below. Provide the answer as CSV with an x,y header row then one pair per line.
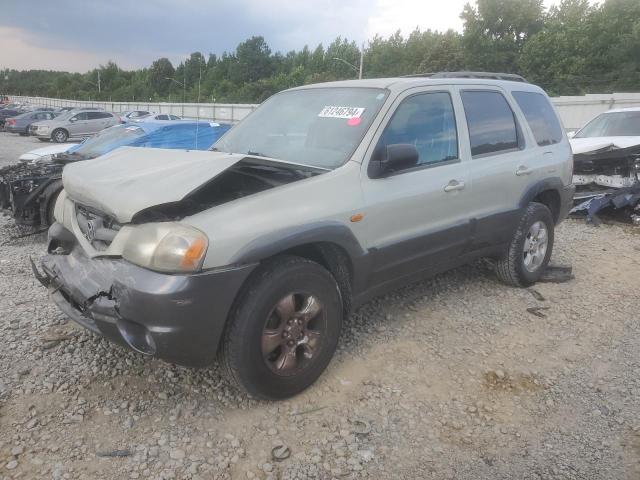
x,y
392,158
73,119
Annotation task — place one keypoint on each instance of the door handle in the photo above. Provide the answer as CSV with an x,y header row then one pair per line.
x,y
453,186
522,170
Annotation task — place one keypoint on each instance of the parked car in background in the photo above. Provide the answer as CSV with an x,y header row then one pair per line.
x,y
43,154
323,197
64,109
134,115
8,113
4,100
157,116
74,124
21,123
30,188
606,164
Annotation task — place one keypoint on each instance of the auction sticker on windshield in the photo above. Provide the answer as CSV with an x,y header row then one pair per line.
x,y
331,111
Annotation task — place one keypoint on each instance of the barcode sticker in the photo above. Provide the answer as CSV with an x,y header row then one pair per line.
x,y
331,111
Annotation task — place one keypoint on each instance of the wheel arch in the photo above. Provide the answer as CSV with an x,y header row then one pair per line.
x,y
331,244
548,193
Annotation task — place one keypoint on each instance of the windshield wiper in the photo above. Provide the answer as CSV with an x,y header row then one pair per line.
x,y
257,154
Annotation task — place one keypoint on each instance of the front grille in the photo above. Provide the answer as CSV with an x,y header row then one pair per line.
x,y
98,228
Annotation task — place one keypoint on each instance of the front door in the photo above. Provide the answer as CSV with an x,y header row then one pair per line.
x,y
78,124
417,219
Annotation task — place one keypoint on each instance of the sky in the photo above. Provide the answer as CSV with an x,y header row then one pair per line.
x,y
79,35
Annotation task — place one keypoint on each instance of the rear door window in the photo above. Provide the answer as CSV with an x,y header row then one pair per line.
x,y
98,115
492,124
540,116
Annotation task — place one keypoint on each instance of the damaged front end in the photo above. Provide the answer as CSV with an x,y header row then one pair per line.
x,y
130,267
176,317
608,178
26,190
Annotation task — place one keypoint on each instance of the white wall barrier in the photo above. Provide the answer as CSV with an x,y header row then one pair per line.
x,y
574,111
218,112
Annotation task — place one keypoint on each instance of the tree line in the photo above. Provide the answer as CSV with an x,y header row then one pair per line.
x,y
569,49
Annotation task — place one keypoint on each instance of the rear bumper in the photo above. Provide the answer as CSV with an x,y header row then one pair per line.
x,y
13,129
566,201
179,318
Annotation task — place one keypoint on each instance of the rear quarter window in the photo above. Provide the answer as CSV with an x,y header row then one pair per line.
x,y
492,124
540,116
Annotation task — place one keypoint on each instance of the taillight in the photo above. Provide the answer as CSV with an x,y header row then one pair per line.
x,y
11,121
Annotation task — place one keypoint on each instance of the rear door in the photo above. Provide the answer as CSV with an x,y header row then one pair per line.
x,y
418,218
98,121
501,164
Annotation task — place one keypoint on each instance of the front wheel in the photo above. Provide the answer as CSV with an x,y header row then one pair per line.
x,y
284,329
59,135
530,250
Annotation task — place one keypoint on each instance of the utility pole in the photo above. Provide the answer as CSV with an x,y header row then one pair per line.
x,y
361,61
99,77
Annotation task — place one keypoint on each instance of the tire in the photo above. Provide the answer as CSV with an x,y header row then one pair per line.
x,y
59,135
267,313
521,268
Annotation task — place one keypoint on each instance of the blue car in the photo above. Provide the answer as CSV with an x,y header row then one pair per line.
x,y
30,190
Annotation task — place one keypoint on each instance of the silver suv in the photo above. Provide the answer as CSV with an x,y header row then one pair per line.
x,y
324,197
74,124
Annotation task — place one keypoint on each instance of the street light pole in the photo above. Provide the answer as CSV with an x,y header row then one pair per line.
x,y
357,69
184,89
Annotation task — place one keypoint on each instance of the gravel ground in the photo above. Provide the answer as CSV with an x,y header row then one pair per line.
x,y
450,378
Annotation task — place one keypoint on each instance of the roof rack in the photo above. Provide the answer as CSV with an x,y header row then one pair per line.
x,y
486,75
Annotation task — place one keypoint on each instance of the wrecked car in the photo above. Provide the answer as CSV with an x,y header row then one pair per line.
x,y
29,189
606,155
323,197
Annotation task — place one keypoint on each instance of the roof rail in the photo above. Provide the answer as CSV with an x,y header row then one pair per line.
x,y
487,75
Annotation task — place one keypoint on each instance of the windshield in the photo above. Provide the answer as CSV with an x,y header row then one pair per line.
x,y
316,126
107,140
618,124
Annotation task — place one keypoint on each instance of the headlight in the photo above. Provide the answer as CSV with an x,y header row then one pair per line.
x,y
166,247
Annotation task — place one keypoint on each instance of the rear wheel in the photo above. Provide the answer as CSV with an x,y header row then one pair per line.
x,y
284,330
59,135
530,250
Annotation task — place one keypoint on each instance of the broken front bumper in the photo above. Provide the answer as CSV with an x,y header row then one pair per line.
x,y
179,318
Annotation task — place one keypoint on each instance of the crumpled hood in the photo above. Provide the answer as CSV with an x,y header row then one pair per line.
x,y
592,144
128,179
38,153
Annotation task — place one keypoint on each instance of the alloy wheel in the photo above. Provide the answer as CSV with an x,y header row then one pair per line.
x,y
293,333
535,246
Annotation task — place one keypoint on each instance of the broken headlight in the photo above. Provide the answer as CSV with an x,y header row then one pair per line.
x,y
166,247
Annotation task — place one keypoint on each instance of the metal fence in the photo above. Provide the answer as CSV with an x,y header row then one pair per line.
x,y
574,111
217,112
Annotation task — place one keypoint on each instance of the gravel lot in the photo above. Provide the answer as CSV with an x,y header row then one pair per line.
x,y
451,378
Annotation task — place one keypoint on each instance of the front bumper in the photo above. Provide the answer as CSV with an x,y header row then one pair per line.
x,y
566,201
179,318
